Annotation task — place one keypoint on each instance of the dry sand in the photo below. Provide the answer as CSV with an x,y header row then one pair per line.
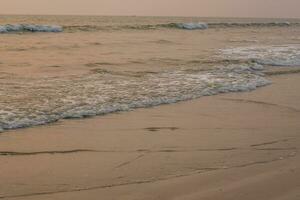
x,y
237,146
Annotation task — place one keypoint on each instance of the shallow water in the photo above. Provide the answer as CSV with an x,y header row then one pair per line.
x,y
99,65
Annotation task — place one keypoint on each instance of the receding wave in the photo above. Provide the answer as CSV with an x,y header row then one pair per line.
x,y
36,102
17,28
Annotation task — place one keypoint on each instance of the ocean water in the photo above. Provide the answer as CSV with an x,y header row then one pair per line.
x,y
59,67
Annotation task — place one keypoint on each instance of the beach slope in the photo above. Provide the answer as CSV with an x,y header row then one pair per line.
x,y
229,146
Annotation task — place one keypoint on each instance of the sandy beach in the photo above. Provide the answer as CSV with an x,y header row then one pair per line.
x,y
228,146
150,100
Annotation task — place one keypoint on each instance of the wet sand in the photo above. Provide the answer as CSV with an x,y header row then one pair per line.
x,y
230,146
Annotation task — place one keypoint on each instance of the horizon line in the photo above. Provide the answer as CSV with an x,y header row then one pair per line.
x,y
110,15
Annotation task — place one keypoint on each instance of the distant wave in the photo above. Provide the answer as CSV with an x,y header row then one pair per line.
x,y
250,24
16,28
187,26
182,26
201,25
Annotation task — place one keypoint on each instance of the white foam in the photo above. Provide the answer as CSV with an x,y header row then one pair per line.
x,y
29,28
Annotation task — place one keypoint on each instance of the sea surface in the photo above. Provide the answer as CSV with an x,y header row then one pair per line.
x,y
59,67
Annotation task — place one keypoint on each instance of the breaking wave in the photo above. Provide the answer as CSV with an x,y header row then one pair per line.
x,y
17,28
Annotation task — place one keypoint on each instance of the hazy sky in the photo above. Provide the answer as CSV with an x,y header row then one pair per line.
x,y
226,8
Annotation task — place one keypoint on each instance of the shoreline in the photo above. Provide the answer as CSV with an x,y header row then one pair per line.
x,y
171,151
269,73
